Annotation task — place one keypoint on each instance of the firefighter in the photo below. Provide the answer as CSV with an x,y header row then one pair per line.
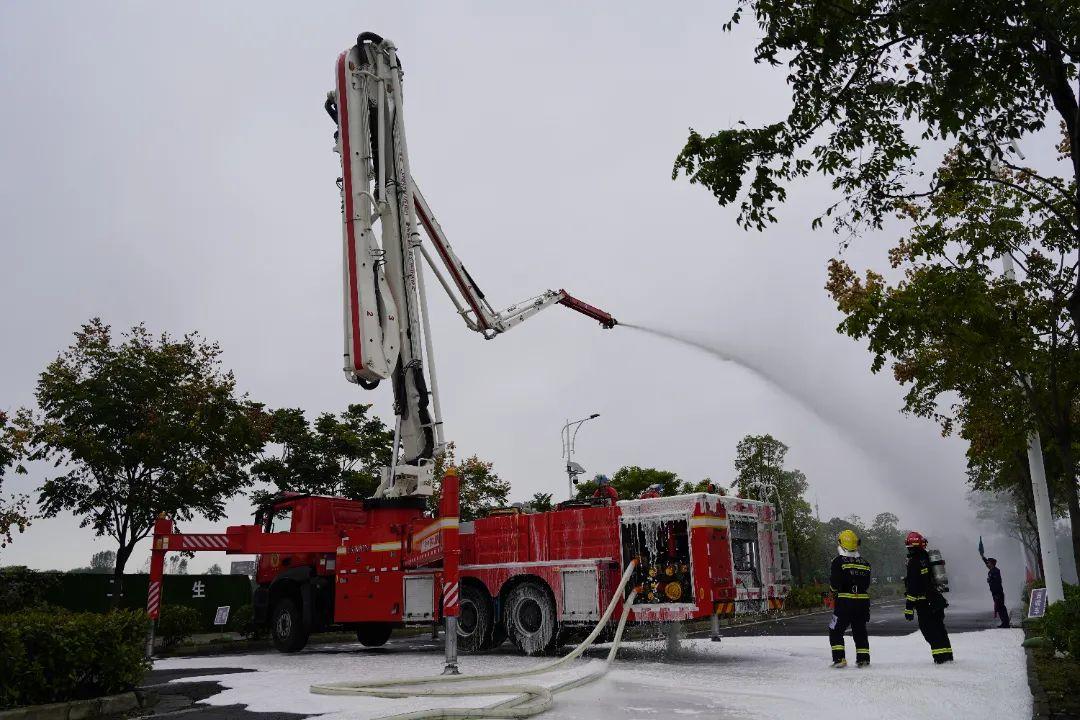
x,y
653,491
850,582
923,597
604,491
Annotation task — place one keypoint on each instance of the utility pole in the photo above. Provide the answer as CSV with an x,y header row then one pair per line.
x,y
568,441
1043,515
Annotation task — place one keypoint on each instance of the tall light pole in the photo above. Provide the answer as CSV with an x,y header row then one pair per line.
x,y
568,441
1044,518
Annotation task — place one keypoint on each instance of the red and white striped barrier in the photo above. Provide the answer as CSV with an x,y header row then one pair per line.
x,y
153,600
450,596
203,542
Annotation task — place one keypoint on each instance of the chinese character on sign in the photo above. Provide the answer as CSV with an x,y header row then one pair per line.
x,y
1037,607
198,589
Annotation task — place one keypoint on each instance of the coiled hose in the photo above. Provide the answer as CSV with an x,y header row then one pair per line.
x,y
530,699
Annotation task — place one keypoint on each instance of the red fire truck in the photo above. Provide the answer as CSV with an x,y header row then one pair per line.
x,y
531,577
382,562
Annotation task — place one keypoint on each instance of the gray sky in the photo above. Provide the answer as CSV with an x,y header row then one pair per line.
x,y
172,164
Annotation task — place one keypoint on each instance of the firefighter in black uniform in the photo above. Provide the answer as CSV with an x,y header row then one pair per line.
x,y
923,597
850,581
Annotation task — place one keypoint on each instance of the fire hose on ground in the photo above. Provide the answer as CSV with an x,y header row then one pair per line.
x,y
529,699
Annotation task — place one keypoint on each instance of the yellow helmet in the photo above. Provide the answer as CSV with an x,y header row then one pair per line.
x,y
848,540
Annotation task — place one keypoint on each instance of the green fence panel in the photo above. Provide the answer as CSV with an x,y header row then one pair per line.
x,y
205,593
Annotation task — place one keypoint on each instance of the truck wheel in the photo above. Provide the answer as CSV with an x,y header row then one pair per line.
x,y
374,634
287,626
474,624
529,617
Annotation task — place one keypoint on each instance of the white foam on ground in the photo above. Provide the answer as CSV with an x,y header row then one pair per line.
x,y
786,678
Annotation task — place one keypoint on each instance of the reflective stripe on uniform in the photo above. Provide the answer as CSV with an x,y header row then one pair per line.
x,y
914,598
941,651
853,596
838,647
862,651
924,571
855,566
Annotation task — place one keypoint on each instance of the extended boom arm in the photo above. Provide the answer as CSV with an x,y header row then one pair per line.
x,y
387,332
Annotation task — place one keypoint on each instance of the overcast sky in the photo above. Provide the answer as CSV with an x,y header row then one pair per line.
x,y
172,164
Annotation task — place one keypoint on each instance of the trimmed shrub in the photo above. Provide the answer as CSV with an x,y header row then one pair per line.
x,y
805,596
242,620
22,588
1062,622
50,656
178,622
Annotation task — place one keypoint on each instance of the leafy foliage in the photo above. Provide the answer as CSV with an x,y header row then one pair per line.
x,y
760,473
335,455
806,596
14,513
176,623
140,427
1062,622
875,85
630,481
541,502
1003,354
214,569
24,589
480,489
51,656
101,563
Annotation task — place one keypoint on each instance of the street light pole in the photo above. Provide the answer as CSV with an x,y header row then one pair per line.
x,y
568,442
1044,518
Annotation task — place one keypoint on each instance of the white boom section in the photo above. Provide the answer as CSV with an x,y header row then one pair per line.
x,y
387,333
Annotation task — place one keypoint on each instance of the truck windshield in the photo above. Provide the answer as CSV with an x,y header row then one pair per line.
x,y
280,520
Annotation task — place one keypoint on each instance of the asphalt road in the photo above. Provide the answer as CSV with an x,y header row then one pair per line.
x,y
184,699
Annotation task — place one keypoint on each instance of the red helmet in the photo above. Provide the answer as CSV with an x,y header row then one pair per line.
x,y
914,538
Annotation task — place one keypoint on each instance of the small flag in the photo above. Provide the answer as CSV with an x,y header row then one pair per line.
x,y
981,551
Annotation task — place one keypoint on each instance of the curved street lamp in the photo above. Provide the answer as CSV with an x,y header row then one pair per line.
x,y
569,439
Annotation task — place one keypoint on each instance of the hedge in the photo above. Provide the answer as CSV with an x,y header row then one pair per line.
x,y
1061,624
805,596
53,656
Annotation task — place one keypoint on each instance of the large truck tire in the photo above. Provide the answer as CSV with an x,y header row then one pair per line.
x,y
475,624
287,626
529,618
374,634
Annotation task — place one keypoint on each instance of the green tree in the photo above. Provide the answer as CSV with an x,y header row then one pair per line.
x,y
878,85
480,488
631,481
759,463
884,546
703,485
214,569
335,455
140,427
760,473
984,355
541,502
14,513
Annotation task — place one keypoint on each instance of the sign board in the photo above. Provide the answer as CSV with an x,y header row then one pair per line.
x,y
221,617
1037,607
242,567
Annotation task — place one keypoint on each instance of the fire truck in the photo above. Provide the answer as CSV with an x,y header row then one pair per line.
x,y
384,562
532,578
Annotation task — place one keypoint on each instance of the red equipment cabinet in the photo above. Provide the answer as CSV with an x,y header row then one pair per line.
x,y
378,564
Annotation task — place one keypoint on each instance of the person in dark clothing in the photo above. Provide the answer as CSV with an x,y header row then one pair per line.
x,y
850,582
923,597
993,579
